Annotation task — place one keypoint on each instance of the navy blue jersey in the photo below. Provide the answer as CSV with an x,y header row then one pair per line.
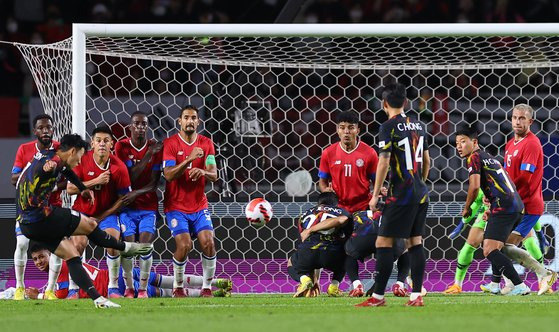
x,y
34,188
330,239
365,222
404,138
495,183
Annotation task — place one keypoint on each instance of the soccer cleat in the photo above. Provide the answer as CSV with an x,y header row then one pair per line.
x,y
334,291
221,293
206,292
142,294
73,294
135,249
179,292
49,295
357,292
314,291
305,285
19,294
547,282
452,290
224,284
399,291
129,293
103,303
372,302
114,293
418,302
520,289
490,288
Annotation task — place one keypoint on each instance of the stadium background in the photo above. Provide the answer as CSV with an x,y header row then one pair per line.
x,y
50,21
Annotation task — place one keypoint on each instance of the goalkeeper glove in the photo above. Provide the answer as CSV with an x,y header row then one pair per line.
x,y
544,245
454,234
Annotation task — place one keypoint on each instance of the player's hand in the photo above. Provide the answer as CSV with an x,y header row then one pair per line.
x,y
485,216
454,234
104,177
384,191
32,293
196,153
305,234
49,166
196,173
88,195
155,148
373,203
467,212
129,198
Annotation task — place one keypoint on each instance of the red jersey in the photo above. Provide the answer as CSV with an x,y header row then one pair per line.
x,y
105,195
526,155
24,155
350,173
100,279
131,155
183,194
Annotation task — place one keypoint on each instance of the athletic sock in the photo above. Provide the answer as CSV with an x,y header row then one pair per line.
x,y
538,226
105,240
127,264
403,265
20,259
465,258
523,258
417,264
356,283
208,270
191,280
145,269
165,292
178,271
384,264
113,265
352,268
533,248
503,265
55,263
166,281
76,270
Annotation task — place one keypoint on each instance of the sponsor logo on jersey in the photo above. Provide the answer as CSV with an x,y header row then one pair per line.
x,y
338,162
515,153
130,156
359,162
90,173
180,153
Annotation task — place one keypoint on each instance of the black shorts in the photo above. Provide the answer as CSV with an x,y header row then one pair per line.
x,y
60,223
360,247
403,221
305,260
499,226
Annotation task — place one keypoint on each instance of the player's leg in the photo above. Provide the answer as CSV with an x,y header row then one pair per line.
x,y
128,228
178,224
20,260
55,264
111,226
417,254
466,256
300,267
334,261
203,228
357,248
497,231
147,234
402,258
530,243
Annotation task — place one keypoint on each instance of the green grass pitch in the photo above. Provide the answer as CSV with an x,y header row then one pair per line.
x,y
466,312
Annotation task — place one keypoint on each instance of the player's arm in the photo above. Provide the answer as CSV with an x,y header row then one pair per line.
x,y
324,225
18,166
103,178
324,177
477,207
138,168
324,184
473,189
382,172
425,165
210,171
172,172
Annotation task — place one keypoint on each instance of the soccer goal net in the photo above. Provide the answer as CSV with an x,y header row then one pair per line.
x,y
268,97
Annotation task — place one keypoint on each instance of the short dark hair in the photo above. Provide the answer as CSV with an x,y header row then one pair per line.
x,y
189,107
104,130
69,141
347,116
328,198
37,246
138,113
467,130
395,95
40,117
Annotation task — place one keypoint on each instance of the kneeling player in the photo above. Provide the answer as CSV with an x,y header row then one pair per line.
x,y
157,286
320,248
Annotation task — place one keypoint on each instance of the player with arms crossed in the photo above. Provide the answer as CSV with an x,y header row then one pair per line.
x,y
188,161
348,167
524,165
143,158
323,233
43,130
403,149
107,177
50,225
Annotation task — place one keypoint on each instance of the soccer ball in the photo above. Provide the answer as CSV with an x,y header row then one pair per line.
x,y
258,212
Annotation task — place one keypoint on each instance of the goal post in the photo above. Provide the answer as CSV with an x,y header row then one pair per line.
x,y
268,95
